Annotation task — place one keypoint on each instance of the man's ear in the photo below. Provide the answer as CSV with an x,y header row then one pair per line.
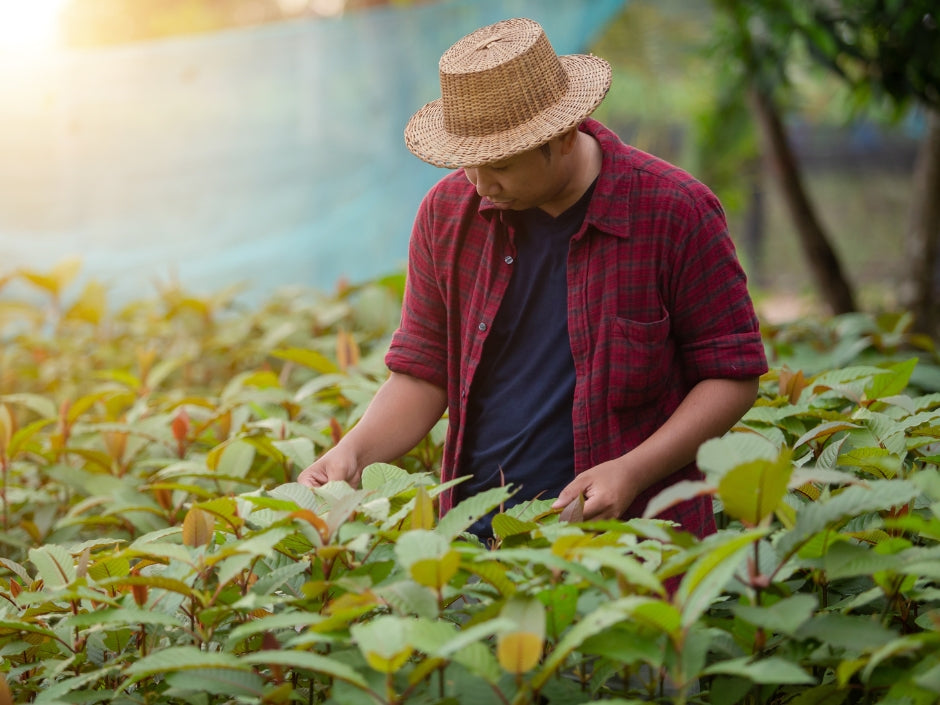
x,y
567,140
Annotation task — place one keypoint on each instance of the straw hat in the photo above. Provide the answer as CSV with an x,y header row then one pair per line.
x,y
504,91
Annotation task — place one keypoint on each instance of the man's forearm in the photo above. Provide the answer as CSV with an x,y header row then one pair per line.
x,y
710,409
402,412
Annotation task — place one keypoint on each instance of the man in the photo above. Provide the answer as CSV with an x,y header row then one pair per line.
x,y
574,303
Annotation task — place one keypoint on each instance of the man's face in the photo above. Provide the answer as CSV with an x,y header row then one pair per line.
x,y
533,179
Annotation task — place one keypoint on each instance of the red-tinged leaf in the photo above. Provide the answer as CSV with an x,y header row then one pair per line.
x,y
140,594
336,431
164,497
315,521
792,384
198,527
6,697
574,510
15,588
269,642
180,426
116,443
347,350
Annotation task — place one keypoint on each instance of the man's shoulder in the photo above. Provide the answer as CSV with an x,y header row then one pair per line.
x,y
630,168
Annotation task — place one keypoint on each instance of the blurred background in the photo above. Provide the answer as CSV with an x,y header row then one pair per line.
x,y
258,143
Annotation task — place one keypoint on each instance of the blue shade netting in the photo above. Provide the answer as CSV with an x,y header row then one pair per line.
x,y
262,157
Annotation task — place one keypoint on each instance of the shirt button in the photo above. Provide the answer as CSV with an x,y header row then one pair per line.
x,y
481,327
508,259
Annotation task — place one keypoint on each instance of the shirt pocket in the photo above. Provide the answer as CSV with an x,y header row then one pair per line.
x,y
640,362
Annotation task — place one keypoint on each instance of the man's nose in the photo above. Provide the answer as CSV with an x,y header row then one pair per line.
x,y
483,181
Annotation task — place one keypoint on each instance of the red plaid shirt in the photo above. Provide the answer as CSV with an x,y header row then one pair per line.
x,y
657,302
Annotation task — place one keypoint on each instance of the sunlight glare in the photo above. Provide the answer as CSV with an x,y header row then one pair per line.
x,y
29,26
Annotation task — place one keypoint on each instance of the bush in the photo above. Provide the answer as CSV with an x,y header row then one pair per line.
x,y
156,548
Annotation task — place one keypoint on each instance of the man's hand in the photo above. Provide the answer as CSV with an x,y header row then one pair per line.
x,y
400,414
608,491
709,410
335,464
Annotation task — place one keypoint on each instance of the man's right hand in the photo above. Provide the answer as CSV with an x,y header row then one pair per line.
x,y
398,417
335,464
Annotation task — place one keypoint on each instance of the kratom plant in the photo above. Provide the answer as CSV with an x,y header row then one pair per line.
x,y
155,548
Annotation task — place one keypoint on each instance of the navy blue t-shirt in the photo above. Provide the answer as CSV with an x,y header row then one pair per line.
x,y
519,412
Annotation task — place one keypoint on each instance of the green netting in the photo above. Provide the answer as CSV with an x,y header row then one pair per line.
x,y
267,156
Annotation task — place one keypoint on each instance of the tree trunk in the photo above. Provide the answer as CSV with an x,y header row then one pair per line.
x,y
832,285
923,239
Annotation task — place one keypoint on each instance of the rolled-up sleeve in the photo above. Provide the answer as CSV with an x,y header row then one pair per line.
x,y
717,330
419,346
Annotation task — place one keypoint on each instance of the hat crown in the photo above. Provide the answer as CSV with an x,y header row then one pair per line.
x,y
498,78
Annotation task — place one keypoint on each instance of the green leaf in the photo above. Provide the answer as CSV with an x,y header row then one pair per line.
x,y
892,382
385,641
182,658
750,492
874,496
123,616
42,406
877,461
308,358
561,608
711,572
54,564
783,617
461,517
306,661
505,526
718,455
407,597
232,458
771,669
54,693
853,633
601,619
218,681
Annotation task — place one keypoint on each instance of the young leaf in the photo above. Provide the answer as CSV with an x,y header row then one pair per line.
x,y
385,642
6,697
750,492
422,515
519,651
198,527
347,351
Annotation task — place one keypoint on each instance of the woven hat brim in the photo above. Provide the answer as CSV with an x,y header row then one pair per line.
x,y
588,81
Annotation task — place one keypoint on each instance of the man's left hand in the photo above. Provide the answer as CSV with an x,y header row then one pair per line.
x,y
608,491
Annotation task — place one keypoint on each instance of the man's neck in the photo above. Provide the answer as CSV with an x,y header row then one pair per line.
x,y
585,164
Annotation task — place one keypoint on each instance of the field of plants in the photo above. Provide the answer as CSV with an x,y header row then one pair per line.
x,y
155,550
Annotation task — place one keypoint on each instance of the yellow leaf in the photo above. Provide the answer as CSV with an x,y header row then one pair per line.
x,y
391,664
57,279
519,652
347,350
422,516
90,306
198,527
435,572
7,427
6,697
